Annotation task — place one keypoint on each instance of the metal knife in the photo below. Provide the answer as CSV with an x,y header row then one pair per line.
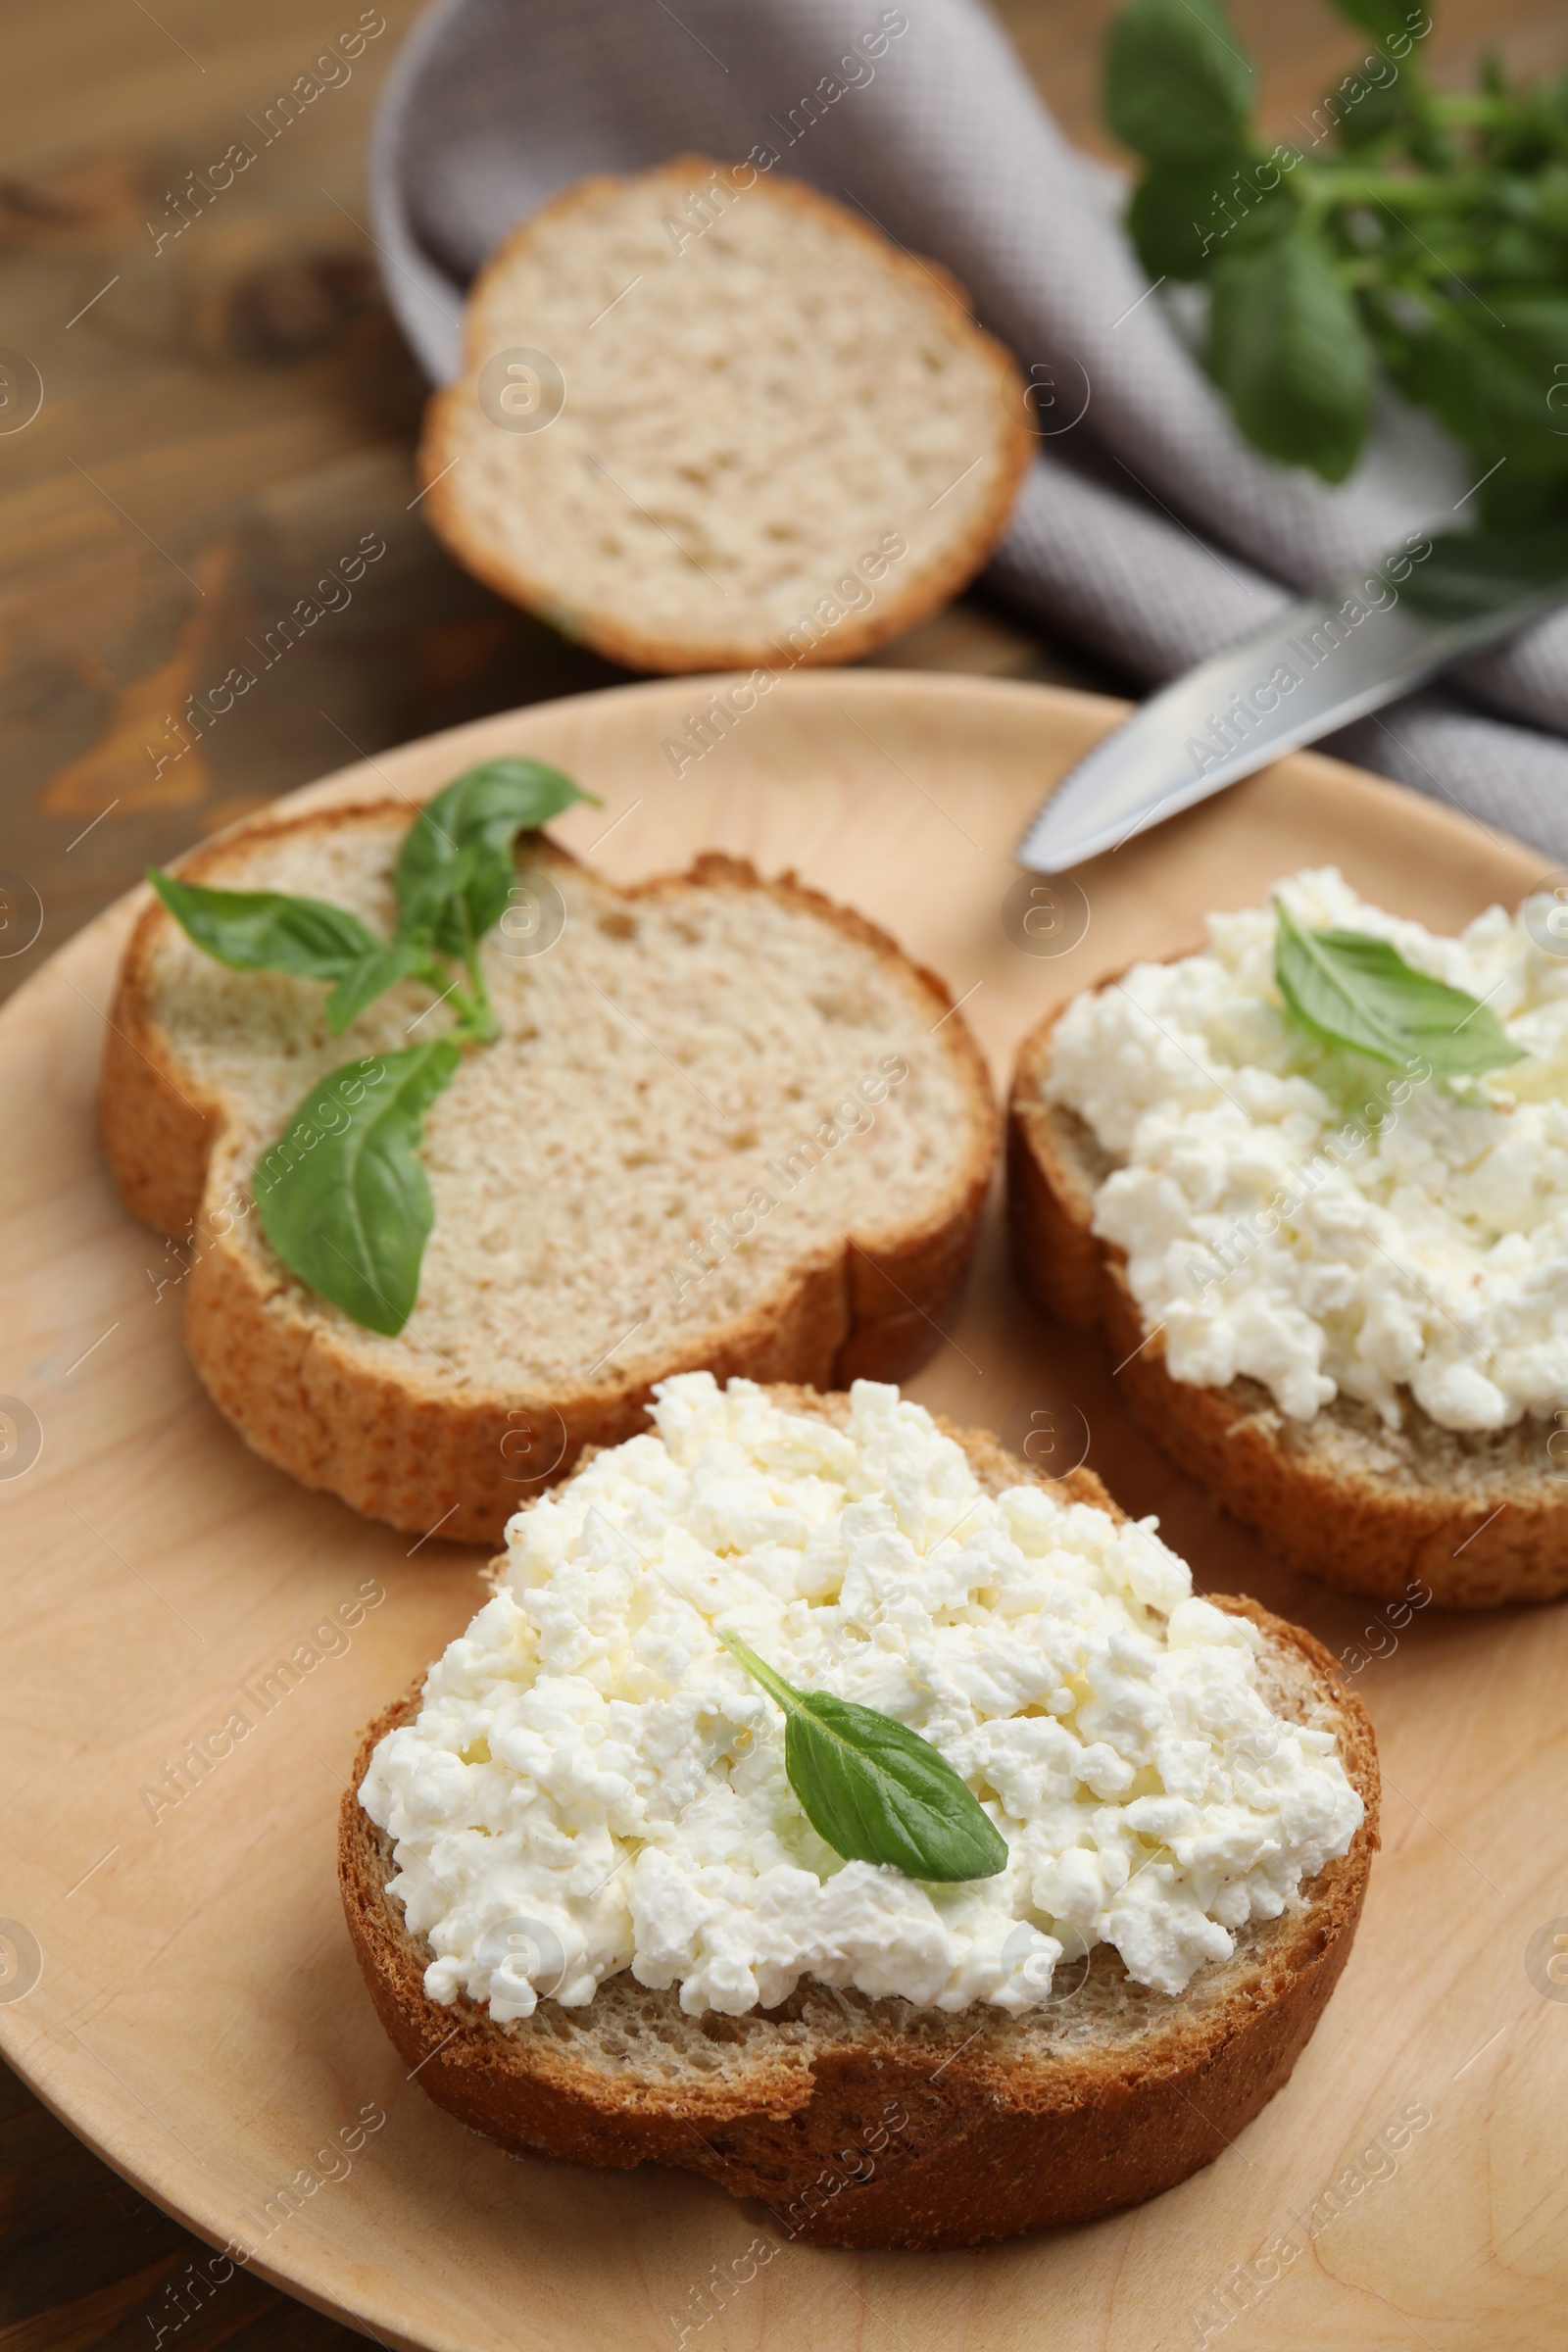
x,y
1313,668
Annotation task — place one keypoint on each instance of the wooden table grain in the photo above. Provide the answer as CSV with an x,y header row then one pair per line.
x,y
225,414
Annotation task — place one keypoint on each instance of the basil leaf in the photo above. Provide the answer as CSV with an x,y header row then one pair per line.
x,y
1176,216
377,970
1360,992
453,856
266,930
1177,88
1486,370
500,799
343,1196
874,1790
1286,347
1187,217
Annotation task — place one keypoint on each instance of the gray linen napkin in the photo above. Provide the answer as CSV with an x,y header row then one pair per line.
x,y
1147,528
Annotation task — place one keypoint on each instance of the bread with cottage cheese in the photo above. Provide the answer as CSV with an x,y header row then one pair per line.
x,y
728,1124
743,429
864,2121
1477,1518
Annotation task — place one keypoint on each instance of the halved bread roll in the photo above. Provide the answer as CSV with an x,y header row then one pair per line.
x,y
710,419
727,1124
1474,1517
876,2122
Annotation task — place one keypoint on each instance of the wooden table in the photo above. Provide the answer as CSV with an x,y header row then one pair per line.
x,y
220,421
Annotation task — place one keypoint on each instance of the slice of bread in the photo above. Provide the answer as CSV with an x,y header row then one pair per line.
x,y
874,2123
692,1146
1476,1518
744,429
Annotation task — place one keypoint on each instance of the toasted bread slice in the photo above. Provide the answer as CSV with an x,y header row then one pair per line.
x,y
1477,1518
874,2123
727,1125
743,429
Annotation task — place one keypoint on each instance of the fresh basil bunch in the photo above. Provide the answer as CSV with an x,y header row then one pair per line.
x,y
1353,990
343,1196
872,1788
1428,232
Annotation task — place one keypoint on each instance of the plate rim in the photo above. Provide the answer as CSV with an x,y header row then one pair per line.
x,y
64,2083
345,786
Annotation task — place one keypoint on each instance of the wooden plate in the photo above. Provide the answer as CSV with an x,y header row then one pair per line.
x,y
177,1982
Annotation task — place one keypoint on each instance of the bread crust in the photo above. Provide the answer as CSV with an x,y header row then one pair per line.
x,y
1474,1520
864,2123
924,591
408,1445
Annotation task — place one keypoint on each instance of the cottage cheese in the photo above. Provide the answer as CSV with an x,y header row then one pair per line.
x,y
593,1783
1318,1222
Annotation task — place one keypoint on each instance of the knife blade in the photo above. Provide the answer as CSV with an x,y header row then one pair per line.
x,y
1316,667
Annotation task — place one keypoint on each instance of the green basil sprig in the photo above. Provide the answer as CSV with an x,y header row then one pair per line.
x,y
1359,991
1177,87
872,1788
1420,229
343,1196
